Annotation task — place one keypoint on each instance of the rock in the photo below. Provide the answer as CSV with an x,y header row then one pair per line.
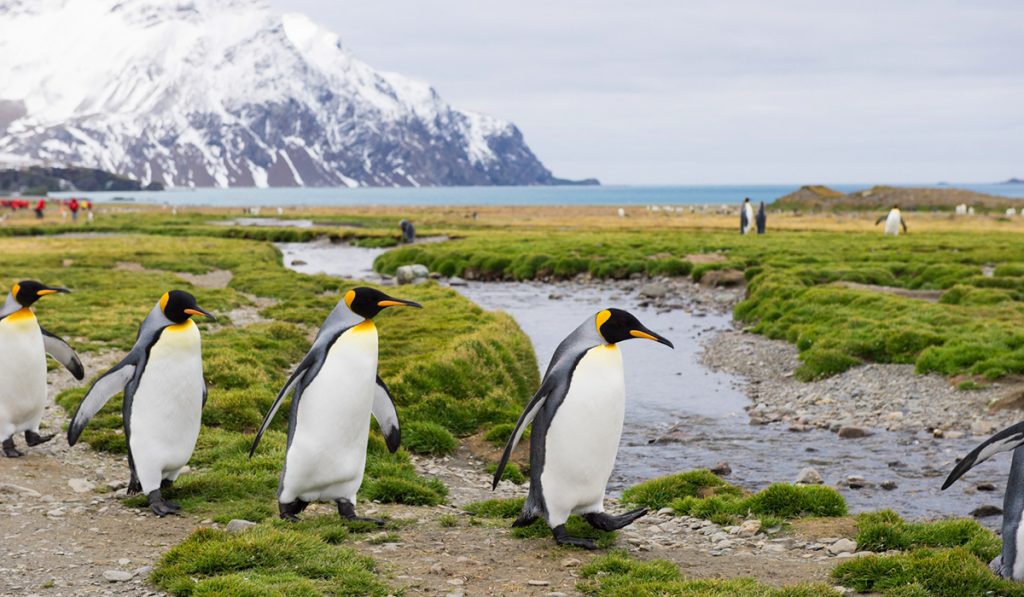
x,y
842,546
853,432
298,262
538,583
749,528
666,512
987,510
809,476
237,525
723,277
721,469
457,281
654,290
124,562
571,563
80,485
411,274
117,575
143,570
888,485
25,491
986,487
857,482
456,582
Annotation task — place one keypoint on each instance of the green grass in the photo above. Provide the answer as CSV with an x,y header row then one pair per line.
x,y
267,560
885,530
616,574
508,509
937,572
702,494
453,369
975,329
511,473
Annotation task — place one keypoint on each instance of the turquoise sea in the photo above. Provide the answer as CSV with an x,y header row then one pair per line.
x,y
597,195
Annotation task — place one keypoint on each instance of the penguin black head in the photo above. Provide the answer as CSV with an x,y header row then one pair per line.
x,y
746,200
27,292
179,305
616,325
368,302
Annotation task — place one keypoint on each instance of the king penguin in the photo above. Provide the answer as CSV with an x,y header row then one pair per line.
x,y
336,390
24,345
762,219
577,419
893,221
746,217
164,395
1010,563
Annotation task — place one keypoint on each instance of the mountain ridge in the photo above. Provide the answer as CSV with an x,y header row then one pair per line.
x,y
214,93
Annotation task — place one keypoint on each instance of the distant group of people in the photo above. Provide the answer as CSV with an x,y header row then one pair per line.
x,y
67,206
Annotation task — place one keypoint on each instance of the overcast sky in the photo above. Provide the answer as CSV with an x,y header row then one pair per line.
x,y
672,91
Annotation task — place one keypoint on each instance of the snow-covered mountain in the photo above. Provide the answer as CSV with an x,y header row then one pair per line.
x,y
229,93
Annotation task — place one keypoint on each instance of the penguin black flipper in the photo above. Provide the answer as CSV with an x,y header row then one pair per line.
x,y
743,220
311,364
103,389
1008,439
532,408
387,415
881,219
57,348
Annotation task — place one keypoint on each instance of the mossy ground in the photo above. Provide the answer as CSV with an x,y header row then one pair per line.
x,y
796,290
452,368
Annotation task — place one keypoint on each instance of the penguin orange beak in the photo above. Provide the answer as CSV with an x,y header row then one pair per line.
x,y
393,302
51,290
647,334
201,311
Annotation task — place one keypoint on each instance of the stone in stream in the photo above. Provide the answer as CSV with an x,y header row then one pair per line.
x,y
654,290
412,274
986,487
809,476
986,510
456,281
857,482
853,432
298,262
721,469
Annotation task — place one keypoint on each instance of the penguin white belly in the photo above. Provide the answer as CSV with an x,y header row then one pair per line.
x,y
327,455
892,223
22,374
167,408
583,438
749,211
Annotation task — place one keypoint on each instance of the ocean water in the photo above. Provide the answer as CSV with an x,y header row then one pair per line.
x,y
602,195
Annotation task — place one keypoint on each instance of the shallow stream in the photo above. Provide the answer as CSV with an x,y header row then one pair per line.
x,y
698,414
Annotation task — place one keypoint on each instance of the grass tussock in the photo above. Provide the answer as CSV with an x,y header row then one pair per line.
x,y
935,572
617,575
885,530
702,494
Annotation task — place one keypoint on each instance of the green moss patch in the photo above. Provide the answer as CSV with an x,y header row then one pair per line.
x,y
885,530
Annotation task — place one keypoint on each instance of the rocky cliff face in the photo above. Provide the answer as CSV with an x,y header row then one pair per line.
x,y
230,93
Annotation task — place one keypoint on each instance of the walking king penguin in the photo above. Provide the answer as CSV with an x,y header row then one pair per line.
x,y
23,349
893,221
577,421
1010,563
164,395
746,217
336,390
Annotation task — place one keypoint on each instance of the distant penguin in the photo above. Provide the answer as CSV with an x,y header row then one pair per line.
x,y
746,217
1010,563
164,395
408,232
336,390
762,219
893,221
577,419
23,349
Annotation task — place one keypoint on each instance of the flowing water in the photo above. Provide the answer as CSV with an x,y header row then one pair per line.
x,y
698,414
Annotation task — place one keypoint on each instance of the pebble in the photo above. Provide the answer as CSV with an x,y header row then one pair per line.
x,y
842,546
571,563
809,476
721,469
237,526
853,432
538,583
117,575
81,485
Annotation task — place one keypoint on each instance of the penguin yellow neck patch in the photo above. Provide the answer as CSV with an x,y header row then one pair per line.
x,y
23,314
181,327
366,326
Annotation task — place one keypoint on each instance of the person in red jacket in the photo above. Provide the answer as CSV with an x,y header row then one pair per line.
x,y
40,206
73,206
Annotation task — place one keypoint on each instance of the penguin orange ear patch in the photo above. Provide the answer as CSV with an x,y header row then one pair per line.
x,y
349,297
602,317
15,289
163,301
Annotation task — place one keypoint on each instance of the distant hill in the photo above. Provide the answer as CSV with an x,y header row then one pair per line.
x,y
822,198
1013,181
38,180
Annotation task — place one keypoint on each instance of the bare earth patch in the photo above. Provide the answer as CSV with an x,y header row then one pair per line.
x,y
932,296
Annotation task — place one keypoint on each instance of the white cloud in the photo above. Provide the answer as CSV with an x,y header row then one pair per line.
x,y
704,92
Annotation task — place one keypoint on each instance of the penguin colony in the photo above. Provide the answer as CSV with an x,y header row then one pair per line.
x,y
577,412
